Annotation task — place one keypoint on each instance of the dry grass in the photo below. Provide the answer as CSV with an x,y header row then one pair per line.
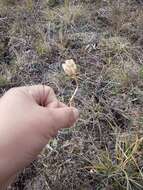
x,y
104,150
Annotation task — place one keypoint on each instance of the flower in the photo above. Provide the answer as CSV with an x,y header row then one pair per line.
x,y
70,67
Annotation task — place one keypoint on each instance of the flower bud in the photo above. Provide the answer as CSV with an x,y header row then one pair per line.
x,y
70,67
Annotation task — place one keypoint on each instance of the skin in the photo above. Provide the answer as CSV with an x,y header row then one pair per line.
x,y
29,117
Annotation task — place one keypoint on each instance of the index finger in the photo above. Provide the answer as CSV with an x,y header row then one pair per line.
x,y
42,94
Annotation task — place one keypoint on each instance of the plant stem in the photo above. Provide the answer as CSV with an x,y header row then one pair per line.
x,y
66,3
72,97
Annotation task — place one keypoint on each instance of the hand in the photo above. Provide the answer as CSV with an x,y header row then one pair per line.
x,y
29,117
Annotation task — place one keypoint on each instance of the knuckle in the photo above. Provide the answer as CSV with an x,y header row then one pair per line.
x,y
51,91
10,94
12,91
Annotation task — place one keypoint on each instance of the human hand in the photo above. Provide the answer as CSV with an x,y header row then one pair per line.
x,y
29,117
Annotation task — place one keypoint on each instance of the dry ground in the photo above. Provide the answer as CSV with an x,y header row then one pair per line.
x,y
105,37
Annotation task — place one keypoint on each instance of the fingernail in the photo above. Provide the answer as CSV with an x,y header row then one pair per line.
x,y
76,113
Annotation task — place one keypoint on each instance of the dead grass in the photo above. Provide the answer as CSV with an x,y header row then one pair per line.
x,y
104,150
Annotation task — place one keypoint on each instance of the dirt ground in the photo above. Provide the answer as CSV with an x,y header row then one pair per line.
x,y
104,151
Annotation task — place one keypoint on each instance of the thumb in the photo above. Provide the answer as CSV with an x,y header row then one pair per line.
x,y
54,119
63,117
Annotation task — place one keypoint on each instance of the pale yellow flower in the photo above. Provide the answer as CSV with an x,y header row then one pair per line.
x,y
70,67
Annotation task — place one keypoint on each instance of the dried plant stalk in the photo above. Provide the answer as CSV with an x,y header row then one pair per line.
x,y
70,69
72,97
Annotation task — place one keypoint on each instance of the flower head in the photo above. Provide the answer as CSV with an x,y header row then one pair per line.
x,y
70,67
